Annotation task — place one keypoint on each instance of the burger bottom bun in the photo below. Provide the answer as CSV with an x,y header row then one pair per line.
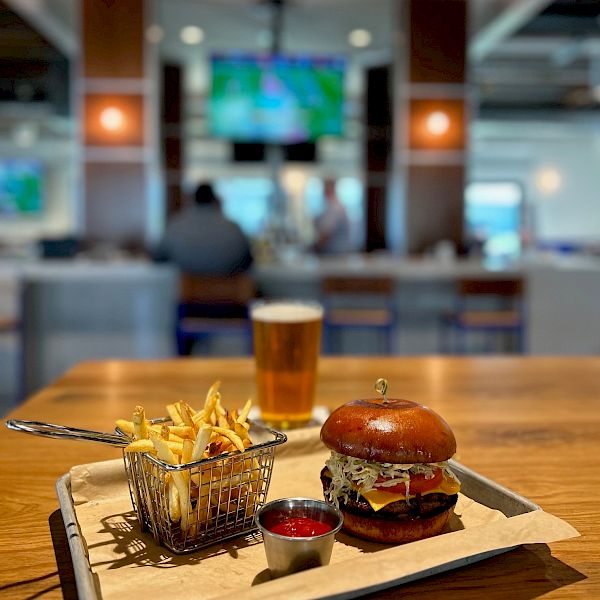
x,y
390,531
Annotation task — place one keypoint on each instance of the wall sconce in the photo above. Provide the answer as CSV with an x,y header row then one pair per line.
x,y
25,135
437,123
548,180
112,119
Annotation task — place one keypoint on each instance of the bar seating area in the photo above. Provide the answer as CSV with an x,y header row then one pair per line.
x,y
212,307
470,317
428,207
358,305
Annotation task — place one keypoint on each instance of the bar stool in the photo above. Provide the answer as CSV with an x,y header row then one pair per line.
x,y
213,306
358,304
491,307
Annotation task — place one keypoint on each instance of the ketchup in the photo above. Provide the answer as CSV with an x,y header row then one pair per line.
x,y
300,527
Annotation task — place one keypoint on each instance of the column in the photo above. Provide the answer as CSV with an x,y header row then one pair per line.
x,y
115,95
430,121
172,145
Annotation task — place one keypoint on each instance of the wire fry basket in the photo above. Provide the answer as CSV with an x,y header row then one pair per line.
x,y
221,494
224,493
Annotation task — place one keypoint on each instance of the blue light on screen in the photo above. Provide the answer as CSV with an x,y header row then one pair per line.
x,y
493,215
21,187
246,201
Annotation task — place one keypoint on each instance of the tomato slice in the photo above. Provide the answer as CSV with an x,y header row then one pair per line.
x,y
418,483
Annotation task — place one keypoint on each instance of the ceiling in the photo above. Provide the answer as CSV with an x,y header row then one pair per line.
x,y
307,26
523,54
32,70
548,58
565,18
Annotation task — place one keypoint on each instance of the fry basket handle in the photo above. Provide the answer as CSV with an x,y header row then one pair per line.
x,y
68,433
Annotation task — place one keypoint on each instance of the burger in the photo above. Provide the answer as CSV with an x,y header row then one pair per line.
x,y
388,471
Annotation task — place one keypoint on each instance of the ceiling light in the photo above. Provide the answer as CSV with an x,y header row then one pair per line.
x,y
155,34
112,118
548,180
191,35
25,135
437,123
359,38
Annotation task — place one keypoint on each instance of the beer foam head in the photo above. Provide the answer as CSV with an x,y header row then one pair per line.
x,y
287,312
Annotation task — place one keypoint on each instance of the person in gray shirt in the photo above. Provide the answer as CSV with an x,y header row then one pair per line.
x,y
333,225
201,241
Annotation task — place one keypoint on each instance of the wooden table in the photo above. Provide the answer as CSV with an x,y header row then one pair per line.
x,y
532,424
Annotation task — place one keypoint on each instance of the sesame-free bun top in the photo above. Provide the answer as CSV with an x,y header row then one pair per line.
x,y
392,431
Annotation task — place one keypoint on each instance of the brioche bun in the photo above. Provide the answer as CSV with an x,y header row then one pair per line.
x,y
392,431
394,531
399,432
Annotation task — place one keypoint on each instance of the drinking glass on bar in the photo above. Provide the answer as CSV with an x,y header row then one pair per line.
x,y
287,338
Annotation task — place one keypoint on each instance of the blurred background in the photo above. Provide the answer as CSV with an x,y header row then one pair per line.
x,y
428,169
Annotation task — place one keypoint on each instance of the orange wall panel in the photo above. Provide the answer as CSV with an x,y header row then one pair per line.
x,y
113,34
437,41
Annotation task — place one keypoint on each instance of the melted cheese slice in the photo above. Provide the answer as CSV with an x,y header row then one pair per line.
x,y
378,499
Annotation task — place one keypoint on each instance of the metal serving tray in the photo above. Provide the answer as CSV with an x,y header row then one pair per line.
x,y
475,486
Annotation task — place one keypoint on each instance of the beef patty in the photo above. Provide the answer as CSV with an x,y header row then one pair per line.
x,y
427,505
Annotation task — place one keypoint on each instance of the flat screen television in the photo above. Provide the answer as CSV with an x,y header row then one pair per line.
x,y
276,98
21,187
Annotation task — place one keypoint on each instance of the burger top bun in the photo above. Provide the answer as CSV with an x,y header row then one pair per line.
x,y
389,431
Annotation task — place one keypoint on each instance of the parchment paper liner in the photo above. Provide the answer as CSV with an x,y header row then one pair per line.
x,y
125,560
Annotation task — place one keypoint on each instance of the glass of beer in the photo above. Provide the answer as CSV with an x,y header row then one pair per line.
x,y
287,338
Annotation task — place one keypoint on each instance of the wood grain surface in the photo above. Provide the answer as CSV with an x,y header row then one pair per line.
x,y
532,424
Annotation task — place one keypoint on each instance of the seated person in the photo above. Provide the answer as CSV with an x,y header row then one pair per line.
x,y
201,241
213,255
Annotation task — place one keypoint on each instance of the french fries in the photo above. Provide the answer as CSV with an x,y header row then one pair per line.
x,y
230,435
174,505
201,443
192,496
140,428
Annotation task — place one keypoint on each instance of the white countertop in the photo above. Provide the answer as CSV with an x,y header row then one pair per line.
x,y
304,267
310,267
82,269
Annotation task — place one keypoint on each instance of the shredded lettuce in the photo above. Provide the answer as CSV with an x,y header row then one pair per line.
x,y
349,474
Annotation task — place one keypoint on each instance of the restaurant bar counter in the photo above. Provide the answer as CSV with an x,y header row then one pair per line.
x,y
66,311
529,423
87,309
561,315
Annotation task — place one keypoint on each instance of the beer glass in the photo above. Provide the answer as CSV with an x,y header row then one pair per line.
x,y
287,337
